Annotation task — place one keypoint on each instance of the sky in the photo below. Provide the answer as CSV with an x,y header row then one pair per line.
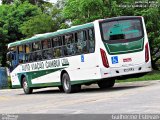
x,y
53,1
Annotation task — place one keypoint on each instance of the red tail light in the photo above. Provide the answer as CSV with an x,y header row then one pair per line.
x,y
146,52
104,58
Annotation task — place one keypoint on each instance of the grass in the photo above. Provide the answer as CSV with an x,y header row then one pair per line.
x,y
155,75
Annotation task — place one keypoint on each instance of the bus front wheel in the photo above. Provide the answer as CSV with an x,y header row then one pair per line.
x,y
26,88
104,84
67,87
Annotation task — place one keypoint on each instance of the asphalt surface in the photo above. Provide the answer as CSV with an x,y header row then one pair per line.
x,y
137,97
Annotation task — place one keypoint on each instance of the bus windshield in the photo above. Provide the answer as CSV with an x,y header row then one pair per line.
x,y
121,29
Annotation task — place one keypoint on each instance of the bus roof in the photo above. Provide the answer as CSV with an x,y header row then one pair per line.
x,y
39,37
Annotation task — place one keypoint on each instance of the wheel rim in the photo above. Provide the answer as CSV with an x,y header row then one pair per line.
x,y
66,84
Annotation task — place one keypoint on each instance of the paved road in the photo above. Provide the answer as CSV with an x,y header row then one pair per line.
x,y
137,97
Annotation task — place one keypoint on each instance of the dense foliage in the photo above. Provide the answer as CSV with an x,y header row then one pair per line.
x,y
25,18
22,19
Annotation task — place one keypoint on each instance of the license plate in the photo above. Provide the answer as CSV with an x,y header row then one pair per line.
x,y
128,69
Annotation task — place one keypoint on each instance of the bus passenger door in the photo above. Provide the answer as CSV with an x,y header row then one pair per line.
x,y
12,57
14,61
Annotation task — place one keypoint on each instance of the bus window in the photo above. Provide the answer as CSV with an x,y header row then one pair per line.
x,y
47,54
122,30
81,44
30,57
28,49
91,39
36,46
57,41
68,39
57,52
21,54
46,44
37,56
69,45
57,44
13,60
47,51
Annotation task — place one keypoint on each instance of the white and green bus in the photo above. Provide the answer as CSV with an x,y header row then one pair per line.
x,y
97,52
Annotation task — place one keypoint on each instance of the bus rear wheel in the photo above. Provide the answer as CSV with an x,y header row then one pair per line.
x,y
26,88
67,87
61,88
104,84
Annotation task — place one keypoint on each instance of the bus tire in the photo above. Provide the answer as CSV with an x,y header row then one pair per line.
x,y
104,84
61,88
26,88
67,87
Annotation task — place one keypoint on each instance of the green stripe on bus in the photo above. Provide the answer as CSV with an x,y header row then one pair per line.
x,y
16,86
122,48
52,84
56,84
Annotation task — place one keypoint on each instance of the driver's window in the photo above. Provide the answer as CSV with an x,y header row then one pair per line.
x,y
13,57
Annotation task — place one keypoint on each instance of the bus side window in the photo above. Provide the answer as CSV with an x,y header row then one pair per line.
x,y
21,54
57,47
37,55
91,39
14,61
46,44
81,44
47,51
36,46
30,57
47,54
28,49
68,45
85,42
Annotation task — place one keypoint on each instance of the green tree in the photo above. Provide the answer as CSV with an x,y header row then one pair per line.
x,y
12,17
38,24
152,20
34,2
83,11
55,12
23,19
7,1
61,3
